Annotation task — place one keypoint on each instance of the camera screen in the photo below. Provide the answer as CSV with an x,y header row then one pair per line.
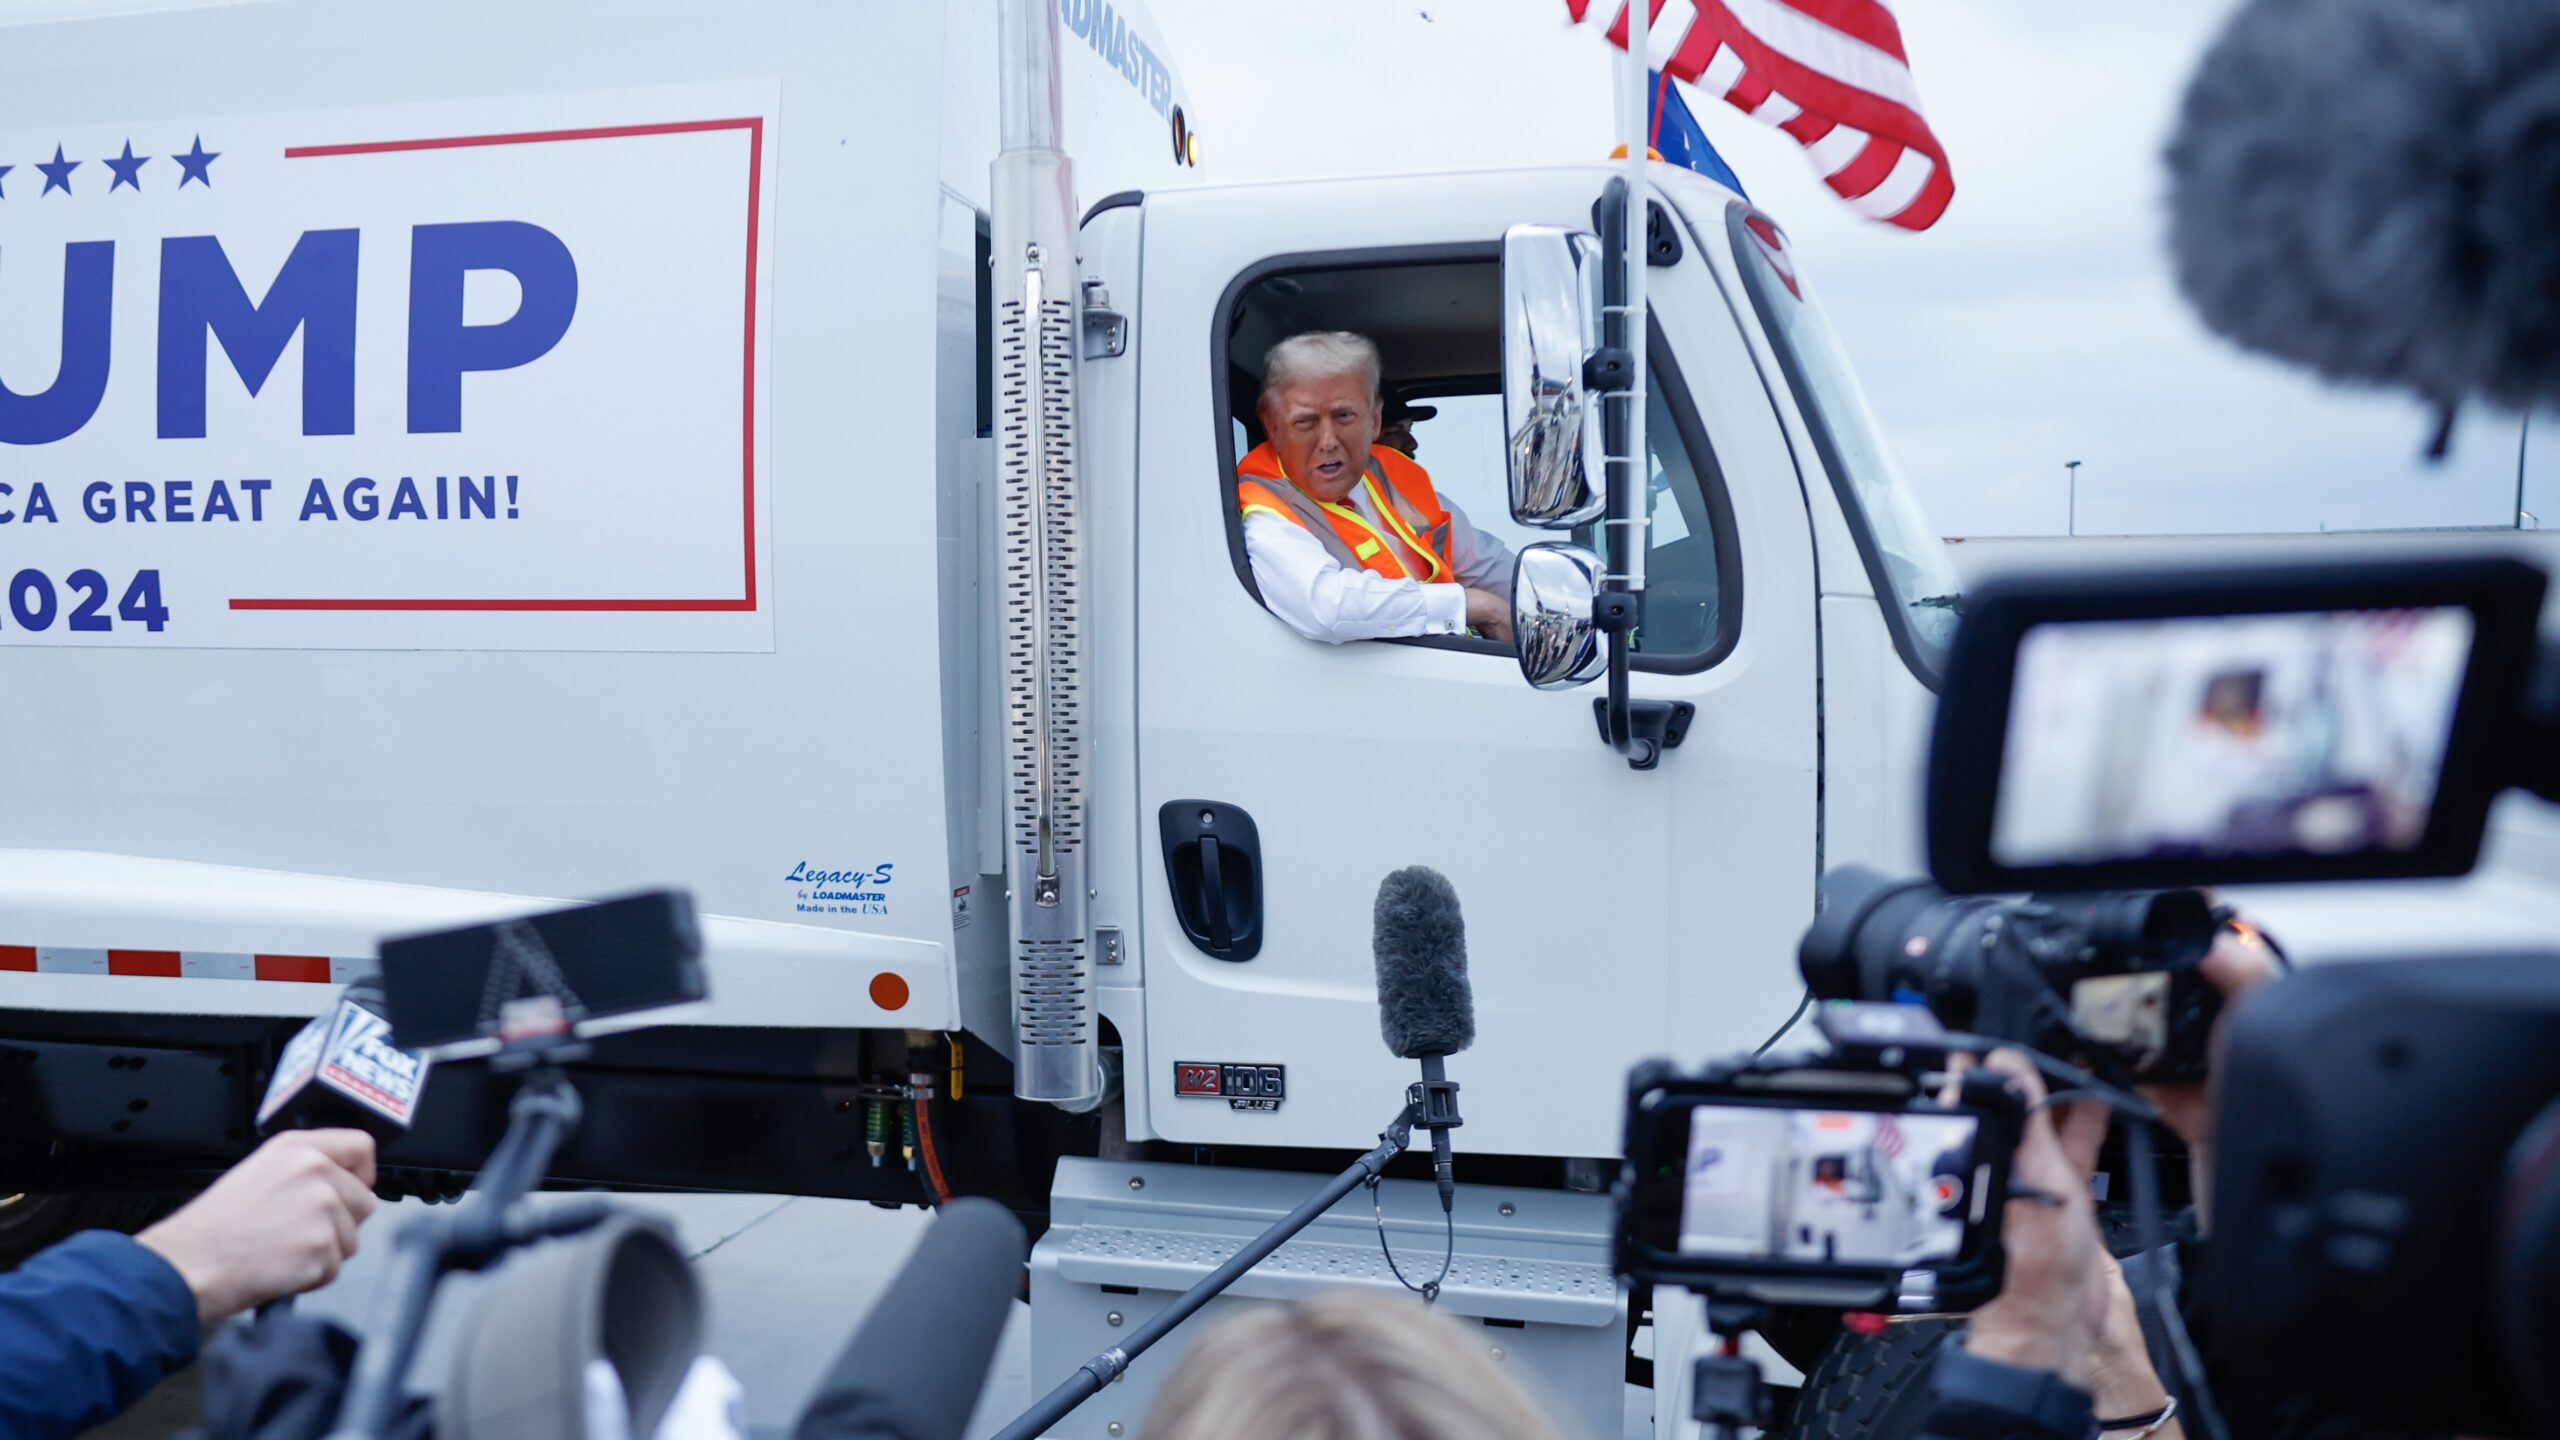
x,y
1829,1187
2307,733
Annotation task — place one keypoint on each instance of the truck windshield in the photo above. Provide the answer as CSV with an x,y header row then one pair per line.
x,y
1905,556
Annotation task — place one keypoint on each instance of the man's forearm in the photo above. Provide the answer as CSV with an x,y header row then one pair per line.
x,y
85,1328
1326,601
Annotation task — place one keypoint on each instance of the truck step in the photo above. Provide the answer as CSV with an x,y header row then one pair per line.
x,y
1530,1278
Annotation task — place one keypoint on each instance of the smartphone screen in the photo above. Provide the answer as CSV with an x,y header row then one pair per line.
x,y
1865,1188
2315,733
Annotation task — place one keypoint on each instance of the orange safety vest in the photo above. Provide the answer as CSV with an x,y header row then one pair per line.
x,y
1413,545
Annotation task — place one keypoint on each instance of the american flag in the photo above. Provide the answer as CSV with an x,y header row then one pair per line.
x,y
1830,73
1889,1139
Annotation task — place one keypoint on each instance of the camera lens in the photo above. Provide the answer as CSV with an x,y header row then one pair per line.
x,y
2139,929
1876,937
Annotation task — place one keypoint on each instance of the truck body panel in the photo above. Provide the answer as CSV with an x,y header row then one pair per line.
x,y
826,774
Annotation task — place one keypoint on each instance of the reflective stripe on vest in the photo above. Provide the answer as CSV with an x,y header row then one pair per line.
x,y
1414,536
1398,512
1302,509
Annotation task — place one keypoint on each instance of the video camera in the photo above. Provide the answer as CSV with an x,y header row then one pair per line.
x,y
2388,1133
2109,977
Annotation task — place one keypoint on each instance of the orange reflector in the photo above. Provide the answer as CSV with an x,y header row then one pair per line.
x,y
1621,153
888,991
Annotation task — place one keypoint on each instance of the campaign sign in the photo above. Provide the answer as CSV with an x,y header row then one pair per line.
x,y
480,375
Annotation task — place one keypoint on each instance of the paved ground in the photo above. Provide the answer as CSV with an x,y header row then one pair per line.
x,y
787,1281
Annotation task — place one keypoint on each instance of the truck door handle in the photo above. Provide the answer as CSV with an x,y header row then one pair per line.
x,y
1213,866
1213,898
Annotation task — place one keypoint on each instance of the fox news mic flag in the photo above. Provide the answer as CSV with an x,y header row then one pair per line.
x,y
342,1069
1830,73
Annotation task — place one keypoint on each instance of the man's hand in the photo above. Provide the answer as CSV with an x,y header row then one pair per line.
x,y
2122,1381
278,1223
1489,614
2052,1307
2238,964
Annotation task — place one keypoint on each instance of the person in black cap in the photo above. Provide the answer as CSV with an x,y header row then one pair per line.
x,y
1396,432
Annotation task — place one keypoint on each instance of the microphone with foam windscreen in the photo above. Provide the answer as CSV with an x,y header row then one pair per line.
x,y
342,1070
914,1369
1426,1012
1426,1008
2371,188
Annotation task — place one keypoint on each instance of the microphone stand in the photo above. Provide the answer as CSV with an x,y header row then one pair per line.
x,y
1425,1106
489,1224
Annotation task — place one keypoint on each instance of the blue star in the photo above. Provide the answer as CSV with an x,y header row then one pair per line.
x,y
57,174
194,163
4,174
126,169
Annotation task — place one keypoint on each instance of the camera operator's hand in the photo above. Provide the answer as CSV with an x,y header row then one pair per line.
x,y
2052,1310
2239,963
2123,1381
278,1223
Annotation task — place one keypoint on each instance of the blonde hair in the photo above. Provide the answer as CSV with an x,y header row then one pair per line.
x,y
1319,353
1346,1365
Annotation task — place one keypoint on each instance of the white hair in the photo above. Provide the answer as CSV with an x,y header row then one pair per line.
x,y
1317,354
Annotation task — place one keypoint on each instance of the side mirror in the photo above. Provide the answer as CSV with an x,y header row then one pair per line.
x,y
1550,327
1553,588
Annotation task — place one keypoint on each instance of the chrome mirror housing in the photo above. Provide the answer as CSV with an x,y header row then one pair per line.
x,y
1552,593
1550,327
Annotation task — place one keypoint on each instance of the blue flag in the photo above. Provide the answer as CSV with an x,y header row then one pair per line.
x,y
1678,138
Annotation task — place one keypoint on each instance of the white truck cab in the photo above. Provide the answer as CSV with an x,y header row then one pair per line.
x,y
611,418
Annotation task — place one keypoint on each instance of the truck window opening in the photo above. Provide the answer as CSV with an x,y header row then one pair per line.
x,y
1437,325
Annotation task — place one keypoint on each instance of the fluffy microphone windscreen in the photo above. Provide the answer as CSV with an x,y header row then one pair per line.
x,y
2372,188
1425,1006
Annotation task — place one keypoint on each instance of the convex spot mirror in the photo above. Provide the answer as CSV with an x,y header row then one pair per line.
x,y
1554,588
1550,329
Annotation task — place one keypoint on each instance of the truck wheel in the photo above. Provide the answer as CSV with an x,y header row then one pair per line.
x,y
1870,1387
31,1222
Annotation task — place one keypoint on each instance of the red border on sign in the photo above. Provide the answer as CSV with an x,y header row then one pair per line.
x,y
754,126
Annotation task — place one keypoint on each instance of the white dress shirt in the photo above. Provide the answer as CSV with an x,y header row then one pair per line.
x,y
1323,599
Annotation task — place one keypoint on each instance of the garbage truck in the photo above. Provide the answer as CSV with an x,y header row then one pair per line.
x,y
455,461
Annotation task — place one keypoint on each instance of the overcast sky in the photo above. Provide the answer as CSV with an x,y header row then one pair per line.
x,y
2035,324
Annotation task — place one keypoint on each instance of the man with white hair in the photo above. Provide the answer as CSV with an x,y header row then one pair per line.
x,y
1347,538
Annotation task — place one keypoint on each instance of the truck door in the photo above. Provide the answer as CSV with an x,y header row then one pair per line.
x,y
1611,914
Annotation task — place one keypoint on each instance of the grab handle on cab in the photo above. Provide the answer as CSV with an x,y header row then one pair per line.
x,y
1213,867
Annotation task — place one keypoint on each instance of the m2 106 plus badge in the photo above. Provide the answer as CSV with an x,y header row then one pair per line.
x,y
1243,1087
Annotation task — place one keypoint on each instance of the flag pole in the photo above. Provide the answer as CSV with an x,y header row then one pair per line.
x,y
1635,96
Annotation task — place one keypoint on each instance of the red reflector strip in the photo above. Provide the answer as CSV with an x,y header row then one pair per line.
x,y
312,969
177,964
161,963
